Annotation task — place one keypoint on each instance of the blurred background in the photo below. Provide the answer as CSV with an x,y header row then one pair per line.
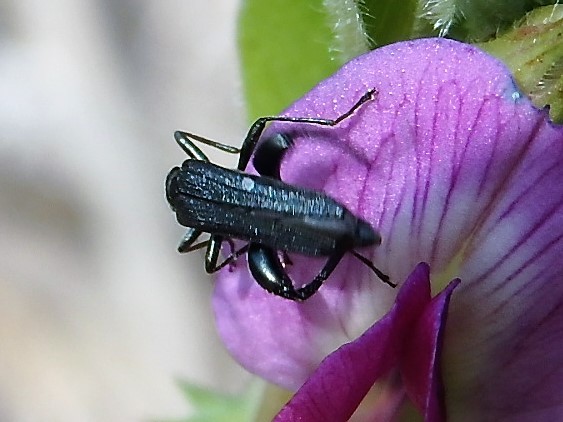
x,y
99,316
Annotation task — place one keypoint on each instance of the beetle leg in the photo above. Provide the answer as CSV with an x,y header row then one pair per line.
x,y
212,255
253,135
230,260
193,151
187,242
285,259
184,139
382,276
309,289
233,252
268,271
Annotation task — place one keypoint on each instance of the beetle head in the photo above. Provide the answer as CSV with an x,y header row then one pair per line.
x,y
172,186
366,235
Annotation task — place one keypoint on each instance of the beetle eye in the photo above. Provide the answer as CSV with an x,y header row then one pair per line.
x,y
366,235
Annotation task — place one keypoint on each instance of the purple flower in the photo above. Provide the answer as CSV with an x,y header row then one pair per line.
x,y
455,168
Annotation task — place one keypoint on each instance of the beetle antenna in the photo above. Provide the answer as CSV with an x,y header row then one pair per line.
x,y
383,277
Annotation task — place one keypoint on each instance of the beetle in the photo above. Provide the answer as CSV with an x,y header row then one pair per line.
x,y
272,216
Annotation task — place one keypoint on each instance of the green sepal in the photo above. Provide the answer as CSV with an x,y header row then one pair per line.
x,y
533,50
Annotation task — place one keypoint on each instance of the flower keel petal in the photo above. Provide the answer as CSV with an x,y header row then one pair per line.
x,y
421,361
343,379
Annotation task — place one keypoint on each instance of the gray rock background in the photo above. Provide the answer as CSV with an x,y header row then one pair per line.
x,y
98,313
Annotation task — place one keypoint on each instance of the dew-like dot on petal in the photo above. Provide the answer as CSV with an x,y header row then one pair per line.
x,y
516,96
513,93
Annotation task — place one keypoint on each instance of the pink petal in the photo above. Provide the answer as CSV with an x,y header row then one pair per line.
x,y
409,336
421,364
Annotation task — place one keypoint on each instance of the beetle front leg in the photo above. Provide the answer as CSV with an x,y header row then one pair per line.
x,y
184,140
267,269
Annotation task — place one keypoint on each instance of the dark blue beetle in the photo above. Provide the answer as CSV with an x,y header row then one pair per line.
x,y
270,215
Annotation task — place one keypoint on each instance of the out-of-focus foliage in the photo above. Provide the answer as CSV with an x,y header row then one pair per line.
x,y
212,406
285,50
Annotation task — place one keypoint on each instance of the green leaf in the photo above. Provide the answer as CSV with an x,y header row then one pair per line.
x,y
285,51
288,46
